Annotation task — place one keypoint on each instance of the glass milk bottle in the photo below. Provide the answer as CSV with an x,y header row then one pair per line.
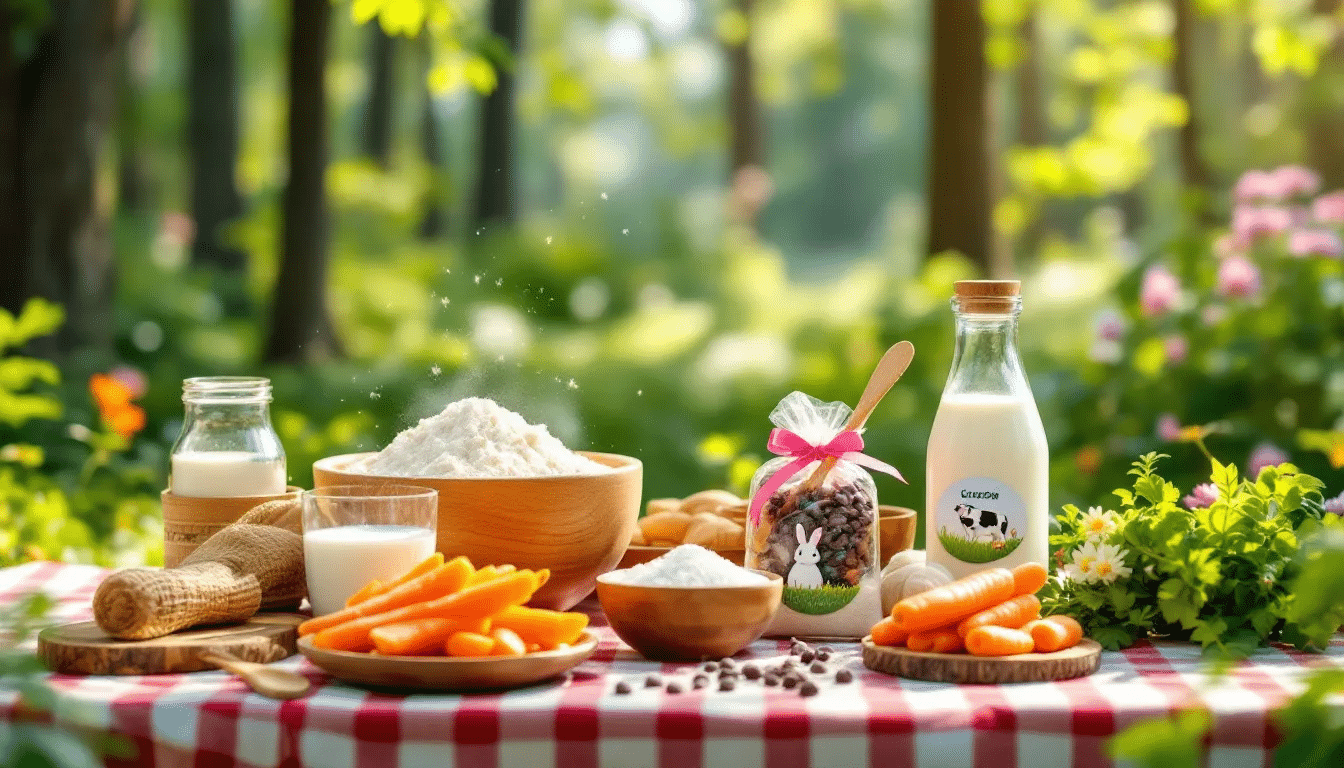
x,y
227,446
986,501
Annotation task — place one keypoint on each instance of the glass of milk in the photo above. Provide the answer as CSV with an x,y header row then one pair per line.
x,y
988,462
227,446
353,534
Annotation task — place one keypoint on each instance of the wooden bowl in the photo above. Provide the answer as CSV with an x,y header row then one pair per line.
x,y
447,673
578,526
634,555
689,623
895,530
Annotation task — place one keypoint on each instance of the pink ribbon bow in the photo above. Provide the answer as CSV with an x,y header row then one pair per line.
x,y
846,446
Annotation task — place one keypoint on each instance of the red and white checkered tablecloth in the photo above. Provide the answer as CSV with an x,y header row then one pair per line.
x,y
211,718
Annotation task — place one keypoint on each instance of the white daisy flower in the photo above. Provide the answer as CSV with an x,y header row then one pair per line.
x,y
1110,563
1097,523
1083,567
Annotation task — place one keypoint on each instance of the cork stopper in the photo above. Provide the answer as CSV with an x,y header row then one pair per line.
x,y
988,297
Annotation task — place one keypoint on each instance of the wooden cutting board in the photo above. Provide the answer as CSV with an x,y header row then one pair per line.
x,y
1082,659
84,649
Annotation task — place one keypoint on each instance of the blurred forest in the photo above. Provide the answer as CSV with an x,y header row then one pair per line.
x,y
644,222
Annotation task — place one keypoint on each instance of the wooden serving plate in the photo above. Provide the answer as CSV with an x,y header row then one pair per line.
x,y
446,673
1081,660
84,649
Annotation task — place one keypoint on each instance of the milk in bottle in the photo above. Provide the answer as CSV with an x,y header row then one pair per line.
x,y
986,499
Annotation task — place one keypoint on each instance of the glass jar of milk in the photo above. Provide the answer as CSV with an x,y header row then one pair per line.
x,y
227,446
988,482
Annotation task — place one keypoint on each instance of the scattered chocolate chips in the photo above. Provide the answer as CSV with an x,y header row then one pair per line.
x,y
699,681
653,681
622,687
727,684
818,668
808,688
844,676
790,681
727,663
674,687
771,680
823,655
826,649
806,656
751,672
711,666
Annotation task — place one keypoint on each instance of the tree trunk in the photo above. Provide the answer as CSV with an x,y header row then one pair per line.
x,y
744,106
212,125
1194,171
1325,101
961,161
376,138
1032,127
435,221
54,107
301,328
495,200
133,174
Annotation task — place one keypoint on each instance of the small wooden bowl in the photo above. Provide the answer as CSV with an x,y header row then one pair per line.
x,y
634,555
189,520
689,623
895,530
577,526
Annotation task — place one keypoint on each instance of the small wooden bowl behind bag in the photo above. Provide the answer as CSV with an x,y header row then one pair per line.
x,y
895,530
189,520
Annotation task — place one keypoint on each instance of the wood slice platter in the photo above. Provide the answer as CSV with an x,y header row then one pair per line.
x,y
1078,661
84,649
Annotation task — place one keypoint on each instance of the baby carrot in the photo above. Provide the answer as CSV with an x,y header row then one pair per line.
x,y
1028,578
422,567
888,632
422,637
507,643
479,601
941,640
490,573
443,580
990,640
540,626
469,644
1013,613
1055,633
946,605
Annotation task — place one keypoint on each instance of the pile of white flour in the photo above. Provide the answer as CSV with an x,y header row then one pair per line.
x,y
477,437
688,565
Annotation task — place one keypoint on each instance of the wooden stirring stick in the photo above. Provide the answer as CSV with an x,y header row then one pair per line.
x,y
888,371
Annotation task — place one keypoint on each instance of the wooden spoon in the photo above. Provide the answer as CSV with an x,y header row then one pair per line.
x,y
266,680
888,371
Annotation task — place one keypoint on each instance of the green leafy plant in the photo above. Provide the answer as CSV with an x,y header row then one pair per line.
x,y
1213,569
975,551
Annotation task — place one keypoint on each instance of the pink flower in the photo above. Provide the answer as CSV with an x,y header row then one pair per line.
x,y
1238,277
1213,314
1296,181
1168,428
1202,496
1160,291
1251,222
1176,348
1335,505
1256,185
1264,455
1227,245
133,379
1110,326
1314,242
1329,208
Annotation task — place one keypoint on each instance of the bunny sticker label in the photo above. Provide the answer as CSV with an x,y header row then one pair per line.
x,y
980,520
806,589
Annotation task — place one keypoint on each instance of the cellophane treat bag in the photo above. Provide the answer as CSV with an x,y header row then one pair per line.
x,y
822,542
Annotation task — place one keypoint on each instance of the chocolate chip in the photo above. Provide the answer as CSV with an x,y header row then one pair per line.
x,y
711,666
653,681
727,684
674,687
751,672
826,649
699,681
806,657
823,655
727,663
818,667
808,688
844,676
790,681
622,687
771,680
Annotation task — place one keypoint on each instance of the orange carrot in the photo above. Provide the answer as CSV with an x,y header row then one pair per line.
x,y
888,632
422,637
507,643
1013,613
543,576
483,575
479,601
374,587
534,648
540,626
1055,633
941,640
469,644
1028,578
443,580
422,567
989,640
946,605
